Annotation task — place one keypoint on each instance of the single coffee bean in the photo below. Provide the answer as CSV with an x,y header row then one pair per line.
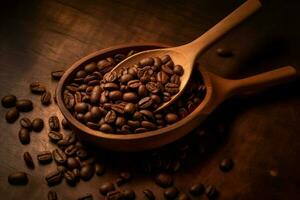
x,y
46,98
128,194
91,67
178,69
24,105
164,180
52,195
81,107
212,192
226,165
44,157
171,118
9,101
146,61
172,88
59,156
115,95
166,68
61,168
71,150
125,78
111,86
25,123
130,97
37,124
142,91
175,79
55,136
54,123
65,124
149,194
99,169
130,108
86,197
82,154
28,160
81,74
183,196
12,115
165,59
89,161
133,84
171,193
110,117
106,188
37,88
69,100
72,163
148,125
197,189
145,102
18,178
53,178
87,172
222,52
70,177
95,95
56,75
24,136
120,121
110,77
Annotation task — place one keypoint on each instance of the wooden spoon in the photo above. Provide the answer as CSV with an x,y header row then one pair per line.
x,y
186,55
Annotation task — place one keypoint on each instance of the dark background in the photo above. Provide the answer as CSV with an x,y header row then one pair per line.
x,y
37,37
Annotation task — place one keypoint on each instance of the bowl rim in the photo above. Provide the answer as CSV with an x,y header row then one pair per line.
x,y
133,136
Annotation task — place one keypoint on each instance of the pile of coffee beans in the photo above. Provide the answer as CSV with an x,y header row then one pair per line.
x,y
124,101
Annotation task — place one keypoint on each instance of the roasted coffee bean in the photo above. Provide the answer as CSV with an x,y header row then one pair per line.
x,y
12,115
28,160
65,124
44,157
130,108
133,84
197,189
118,108
164,180
86,197
149,194
37,124
70,177
171,118
61,168
76,172
52,195
172,88
59,156
175,79
165,59
82,154
37,88
183,196
226,165
106,128
71,150
72,163
91,67
81,107
130,97
104,66
87,172
9,101
128,194
167,69
99,169
115,95
106,188
55,136
89,161
142,91
95,95
24,105
222,52
211,192
162,77
153,87
145,102
110,86
125,78
110,117
18,178
111,76
147,61
46,98
81,74
25,123
120,121
69,100
171,193
53,178
24,136
56,75
54,123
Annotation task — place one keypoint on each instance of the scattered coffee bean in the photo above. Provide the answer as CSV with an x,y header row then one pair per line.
x,y
99,169
44,157
72,163
128,194
87,172
54,123
54,178
25,123
46,98
65,124
86,197
18,178
52,195
106,188
24,105
56,75
71,150
114,195
211,192
37,124
59,156
226,165
171,193
37,88
55,136
12,115
197,189
24,136
149,194
222,52
9,101
70,177
164,180
28,160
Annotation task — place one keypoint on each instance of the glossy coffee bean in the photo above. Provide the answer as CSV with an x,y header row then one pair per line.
x,y
37,88
37,124
9,101
197,189
28,160
56,75
70,177
171,193
24,105
65,124
171,118
59,156
18,178
12,115
44,157
25,123
54,123
226,165
46,98
55,136
53,178
212,192
24,136
72,163
130,97
87,172
106,188
164,180
99,169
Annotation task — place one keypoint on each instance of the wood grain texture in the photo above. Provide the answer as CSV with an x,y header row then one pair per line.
x,y
37,37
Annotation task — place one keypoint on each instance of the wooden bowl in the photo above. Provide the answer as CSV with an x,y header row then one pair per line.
x,y
217,90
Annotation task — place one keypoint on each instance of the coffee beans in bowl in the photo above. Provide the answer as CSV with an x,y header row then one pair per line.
x,y
123,101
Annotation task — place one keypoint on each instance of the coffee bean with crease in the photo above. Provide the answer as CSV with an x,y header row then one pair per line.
x,y
37,88
59,156
44,157
46,98
53,178
54,123
26,123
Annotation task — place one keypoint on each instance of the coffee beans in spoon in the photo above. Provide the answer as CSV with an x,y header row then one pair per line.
x,y
123,101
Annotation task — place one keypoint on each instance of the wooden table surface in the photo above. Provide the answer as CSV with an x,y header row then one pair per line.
x,y
263,135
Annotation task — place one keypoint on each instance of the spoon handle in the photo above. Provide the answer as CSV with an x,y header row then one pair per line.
x,y
233,19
